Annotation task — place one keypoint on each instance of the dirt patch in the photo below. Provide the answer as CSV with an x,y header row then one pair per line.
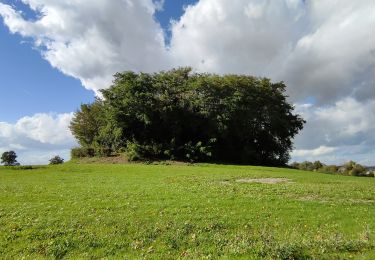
x,y
266,180
362,201
313,198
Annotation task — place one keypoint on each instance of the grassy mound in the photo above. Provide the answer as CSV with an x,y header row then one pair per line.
x,y
181,211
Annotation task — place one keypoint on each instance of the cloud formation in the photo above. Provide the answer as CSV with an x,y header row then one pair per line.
x,y
323,50
91,40
337,133
319,48
37,138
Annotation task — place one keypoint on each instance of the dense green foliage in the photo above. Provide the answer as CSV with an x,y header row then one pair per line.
x,y
180,115
350,168
138,211
9,158
56,160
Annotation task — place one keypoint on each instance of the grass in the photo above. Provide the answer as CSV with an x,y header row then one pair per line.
x,y
178,211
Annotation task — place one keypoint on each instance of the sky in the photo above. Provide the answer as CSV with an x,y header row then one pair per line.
x,y
55,55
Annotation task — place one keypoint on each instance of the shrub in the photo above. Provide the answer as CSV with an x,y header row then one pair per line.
x,y
197,152
136,151
357,170
295,165
24,167
317,165
306,165
80,152
328,169
56,160
350,168
103,151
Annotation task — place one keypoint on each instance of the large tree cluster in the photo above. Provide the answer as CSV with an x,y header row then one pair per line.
x,y
181,115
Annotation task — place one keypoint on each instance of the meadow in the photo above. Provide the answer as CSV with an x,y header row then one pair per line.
x,y
137,211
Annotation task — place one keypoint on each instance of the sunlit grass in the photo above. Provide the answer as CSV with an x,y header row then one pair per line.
x,y
180,211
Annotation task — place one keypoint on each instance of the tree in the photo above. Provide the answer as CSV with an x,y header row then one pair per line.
x,y
318,165
56,160
9,158
87,122
357,170
182,115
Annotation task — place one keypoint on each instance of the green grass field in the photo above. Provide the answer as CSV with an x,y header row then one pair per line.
x,y
178,211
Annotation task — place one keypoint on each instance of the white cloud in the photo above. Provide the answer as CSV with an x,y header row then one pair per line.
x,y
323,49
249,37
45,128
339,132
255,10
319,48
37,138
92,40
321,150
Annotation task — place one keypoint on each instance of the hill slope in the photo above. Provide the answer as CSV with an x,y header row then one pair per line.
x,y
184,211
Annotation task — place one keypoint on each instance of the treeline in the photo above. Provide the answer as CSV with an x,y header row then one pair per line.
x,y
181,115
350,168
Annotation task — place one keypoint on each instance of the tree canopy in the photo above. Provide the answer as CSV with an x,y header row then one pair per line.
x,y
181,115
9,158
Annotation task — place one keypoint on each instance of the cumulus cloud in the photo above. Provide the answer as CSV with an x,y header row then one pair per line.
x,y
37,138
92,40
323,49
321,150
339,132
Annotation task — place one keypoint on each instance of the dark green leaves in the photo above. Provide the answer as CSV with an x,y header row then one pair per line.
x,y
176,115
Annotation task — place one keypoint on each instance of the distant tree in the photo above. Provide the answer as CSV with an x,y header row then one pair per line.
x,y
295,165
9,158
350,168
349,165
307,166
56,160
328,169
318,165
358,170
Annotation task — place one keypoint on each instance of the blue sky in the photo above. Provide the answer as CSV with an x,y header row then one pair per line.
x,y
55,55
29,84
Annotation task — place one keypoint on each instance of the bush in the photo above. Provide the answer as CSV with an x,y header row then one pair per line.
x,y
328,169
350,168
103,151
56,160
24,167
136,151
317,165
80,152
358,170
306,166
197,152
295,165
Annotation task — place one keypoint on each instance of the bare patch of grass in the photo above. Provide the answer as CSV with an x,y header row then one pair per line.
x,y
265,180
